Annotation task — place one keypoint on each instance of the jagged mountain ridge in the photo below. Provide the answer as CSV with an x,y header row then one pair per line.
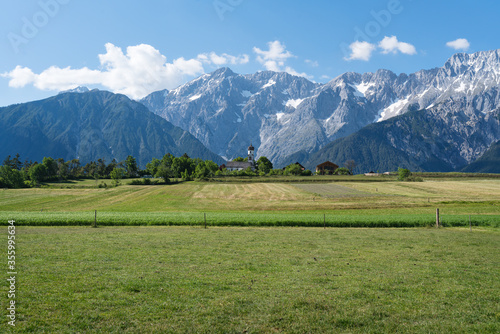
x,y
92,125
227,111
415,140
282,114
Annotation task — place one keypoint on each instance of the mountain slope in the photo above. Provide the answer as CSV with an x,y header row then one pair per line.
x,y
282,114
92,125
489,162
423,140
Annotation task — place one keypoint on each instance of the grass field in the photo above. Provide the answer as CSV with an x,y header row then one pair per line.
x,y
255,280
362,202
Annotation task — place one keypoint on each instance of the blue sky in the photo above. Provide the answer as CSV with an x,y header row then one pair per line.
x,y
136,47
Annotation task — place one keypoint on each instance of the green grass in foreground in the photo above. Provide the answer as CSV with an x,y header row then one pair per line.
x,y
255,280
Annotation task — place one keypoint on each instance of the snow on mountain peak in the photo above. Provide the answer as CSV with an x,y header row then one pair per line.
x,y
195,97
293,103
79,89
394,109
246,93
364,87
270,83
335,109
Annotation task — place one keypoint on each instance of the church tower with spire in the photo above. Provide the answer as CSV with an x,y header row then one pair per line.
x,y
242,165
251,155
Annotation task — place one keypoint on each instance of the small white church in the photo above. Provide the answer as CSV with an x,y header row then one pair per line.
x,y
241,165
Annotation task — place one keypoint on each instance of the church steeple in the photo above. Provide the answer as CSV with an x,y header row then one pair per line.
x,y
251,154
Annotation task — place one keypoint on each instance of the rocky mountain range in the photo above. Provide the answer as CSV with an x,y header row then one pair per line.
x,y
287,117
441,119
91,125
430,140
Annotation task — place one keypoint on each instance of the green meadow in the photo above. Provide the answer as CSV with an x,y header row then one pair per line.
x,y
159,279
333,201
269,260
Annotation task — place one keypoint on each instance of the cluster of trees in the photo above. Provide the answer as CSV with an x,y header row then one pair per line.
x,y
16,174
188,169
181,167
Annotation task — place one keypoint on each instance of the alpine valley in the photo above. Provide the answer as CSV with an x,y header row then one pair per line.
x,y
442,119
433,120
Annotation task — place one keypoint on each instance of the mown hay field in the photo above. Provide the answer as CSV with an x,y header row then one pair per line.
x,y
366,203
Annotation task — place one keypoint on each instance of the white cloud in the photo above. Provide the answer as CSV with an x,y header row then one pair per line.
x,y
19,77
392,45
55,78
459,44
291,71
275,58
136,73
142,70
361,51
224,59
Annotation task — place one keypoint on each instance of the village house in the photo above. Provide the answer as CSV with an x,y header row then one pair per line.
x,y
326,168
372,173
242,165
297,163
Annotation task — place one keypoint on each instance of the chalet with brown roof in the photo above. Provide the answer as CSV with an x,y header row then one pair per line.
x,y
326,168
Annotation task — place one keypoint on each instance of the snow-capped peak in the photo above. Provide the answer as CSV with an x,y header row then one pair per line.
x,y
79,89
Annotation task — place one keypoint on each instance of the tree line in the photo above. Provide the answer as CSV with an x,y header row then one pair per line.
x,y
17,174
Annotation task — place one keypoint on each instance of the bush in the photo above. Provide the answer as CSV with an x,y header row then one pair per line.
x,y
273,172
185,176
117,174
403,174
223,172
414,179
11,178
143,182
342,171
293,169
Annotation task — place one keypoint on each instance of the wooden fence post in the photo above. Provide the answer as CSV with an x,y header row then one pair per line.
x,y
95,218
324,220
205,216
470,224
437,218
